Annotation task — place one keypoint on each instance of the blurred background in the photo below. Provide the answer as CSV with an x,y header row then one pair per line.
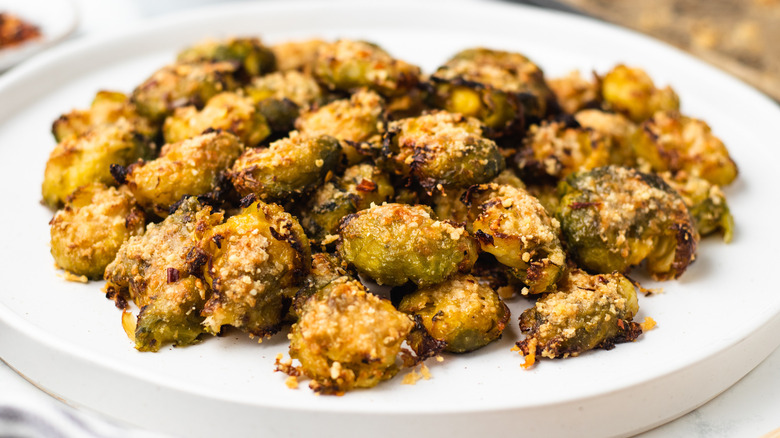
x,y
739,36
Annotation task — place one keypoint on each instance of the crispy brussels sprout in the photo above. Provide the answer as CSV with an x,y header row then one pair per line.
x,y
325,269
87,233
257,261
182,84
356,120
395,243
160,272
514,227
107,107
348,338
301,89
189,167
575,93
442,150
632,92
459,311
617,127
673,142
348,65
279,97
78,161
448,204
361,185
249,54
297,55
555,150
288,167
587,312
226,111
706,202
501,89
615,217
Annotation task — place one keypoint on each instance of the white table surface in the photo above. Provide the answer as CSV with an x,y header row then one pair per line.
x,y
749,409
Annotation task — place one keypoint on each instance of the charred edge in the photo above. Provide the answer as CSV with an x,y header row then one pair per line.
x,y
219,192
428,345
114,295
217,239
363,148
536,271
211,130
344,221
505,318
655,181
195,260
483,238
134,218
567,120
581,205
628,331
119,173
685,252
647,128
388,140
366,186
175,206
467,197
459,81
268,331
525,346
247,200
288,369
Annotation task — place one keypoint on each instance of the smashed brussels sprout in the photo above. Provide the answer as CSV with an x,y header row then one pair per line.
x,y
587,312
107,107
513,226
460,311
226,111
87,233
441,150
672,142
352,121
348,338
86,159
615,217
555,150
182,84
347,65
288,167
501,89
189,167
161,273
257,260
252,57
630,91
396,243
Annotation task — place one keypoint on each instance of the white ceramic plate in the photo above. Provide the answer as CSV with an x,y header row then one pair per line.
x,y
56,19
714,325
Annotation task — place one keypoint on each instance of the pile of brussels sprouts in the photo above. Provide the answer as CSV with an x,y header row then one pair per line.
x,y
257,188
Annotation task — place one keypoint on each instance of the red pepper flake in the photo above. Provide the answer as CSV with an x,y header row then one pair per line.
x,y
579,205
366,186
173,275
